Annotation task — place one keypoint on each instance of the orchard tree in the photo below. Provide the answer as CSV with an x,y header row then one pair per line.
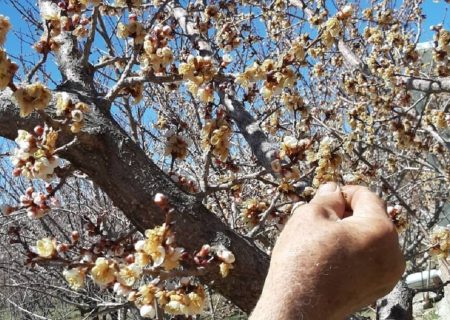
x,y
204,122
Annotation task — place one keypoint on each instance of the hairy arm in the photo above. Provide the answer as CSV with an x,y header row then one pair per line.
x,y
334,256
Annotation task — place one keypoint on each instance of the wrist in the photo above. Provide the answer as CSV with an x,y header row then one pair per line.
x,y
290,294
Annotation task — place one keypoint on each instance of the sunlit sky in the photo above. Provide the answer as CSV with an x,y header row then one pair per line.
x,y
436,12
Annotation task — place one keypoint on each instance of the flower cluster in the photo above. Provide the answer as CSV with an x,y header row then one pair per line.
x,y
442,51
73,112
176,145
32,97
199,71
38,204
159,248
291,147
228,38
156,58
216,134
35,158
133,29
276,76
328,162
124,274
220,253
334,27
183,182
440,241
135,90
294,102
251,211
182,301
157,54
67,16
276,19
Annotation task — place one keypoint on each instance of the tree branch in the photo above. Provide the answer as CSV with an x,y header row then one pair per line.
x,y
124,172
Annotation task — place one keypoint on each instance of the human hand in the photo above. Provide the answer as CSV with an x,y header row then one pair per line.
x,y
335,255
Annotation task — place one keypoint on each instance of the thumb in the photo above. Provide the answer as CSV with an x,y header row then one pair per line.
x,y
330,200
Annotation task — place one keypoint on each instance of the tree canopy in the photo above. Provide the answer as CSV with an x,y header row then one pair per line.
x,y
203,123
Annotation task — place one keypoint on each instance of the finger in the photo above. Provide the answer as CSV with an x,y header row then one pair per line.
x,y
363,202
329,201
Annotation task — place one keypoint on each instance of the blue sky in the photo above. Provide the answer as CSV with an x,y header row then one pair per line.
x,y
436,12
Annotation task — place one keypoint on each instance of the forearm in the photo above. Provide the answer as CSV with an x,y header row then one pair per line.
x,y
287,297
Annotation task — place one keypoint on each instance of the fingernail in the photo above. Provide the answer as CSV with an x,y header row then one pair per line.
x,y
326,188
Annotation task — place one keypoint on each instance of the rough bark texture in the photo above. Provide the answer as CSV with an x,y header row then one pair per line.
x,y
397,305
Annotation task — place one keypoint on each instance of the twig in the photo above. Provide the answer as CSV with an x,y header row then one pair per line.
x,y
264,216
33,71
91,37
112,94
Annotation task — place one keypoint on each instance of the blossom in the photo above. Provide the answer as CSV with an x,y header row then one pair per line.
x,y
142,259
35,156
44,167
75,277
147,311
176,145
251,209
128,275
291,146
103,273
398,217
46,248
157,55
226,256
5,25
133,29
180,303
32,97
121,290
146,294
136,91
225,269
155,238
7,70
216,134
440,241
172,258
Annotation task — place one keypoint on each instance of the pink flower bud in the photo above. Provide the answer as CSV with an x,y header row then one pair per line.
x,y
75,236
62,247
39,130
161,200
29,191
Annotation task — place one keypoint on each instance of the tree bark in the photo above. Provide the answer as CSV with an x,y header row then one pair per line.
x,y
397,305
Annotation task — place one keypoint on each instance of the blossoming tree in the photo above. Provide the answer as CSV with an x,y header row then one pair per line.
x,y
205,121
